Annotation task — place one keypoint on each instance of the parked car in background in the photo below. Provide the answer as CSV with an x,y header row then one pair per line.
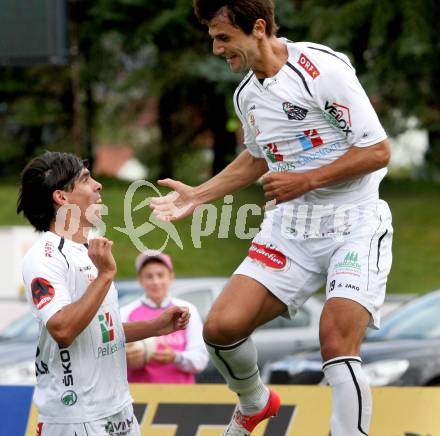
x,y
18,342
404,352
10,310
273,340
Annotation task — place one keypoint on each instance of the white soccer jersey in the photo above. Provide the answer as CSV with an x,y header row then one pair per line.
x,y
308,115
87,380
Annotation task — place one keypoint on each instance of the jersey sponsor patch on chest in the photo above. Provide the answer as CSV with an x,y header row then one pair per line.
x,y
310,139
338,115
272,152
106,324
309,66
111,340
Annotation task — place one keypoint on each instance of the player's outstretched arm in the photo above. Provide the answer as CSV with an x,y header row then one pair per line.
x,y
184,199
172,319
358,161
73,318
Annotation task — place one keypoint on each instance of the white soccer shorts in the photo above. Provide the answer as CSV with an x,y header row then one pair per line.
x,y
123,423
354,265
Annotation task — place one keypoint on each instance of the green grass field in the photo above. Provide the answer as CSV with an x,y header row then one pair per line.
x,y
415,207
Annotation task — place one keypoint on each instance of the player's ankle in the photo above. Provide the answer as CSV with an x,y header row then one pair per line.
x,y
254,401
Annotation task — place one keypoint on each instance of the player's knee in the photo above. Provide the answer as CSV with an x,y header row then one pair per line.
x,y
329,350
332,346
335,345
214,332
220,331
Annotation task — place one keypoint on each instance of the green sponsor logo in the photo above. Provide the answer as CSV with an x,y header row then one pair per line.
x,y
69,398
350,264
351,257
330,119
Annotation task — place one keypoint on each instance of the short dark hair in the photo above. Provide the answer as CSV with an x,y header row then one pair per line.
x,y
241,13
39,179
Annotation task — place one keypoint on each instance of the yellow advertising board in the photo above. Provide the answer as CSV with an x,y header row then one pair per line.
x,y
204,410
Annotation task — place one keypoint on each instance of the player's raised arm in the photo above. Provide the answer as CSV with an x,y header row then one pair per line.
x,y
183,200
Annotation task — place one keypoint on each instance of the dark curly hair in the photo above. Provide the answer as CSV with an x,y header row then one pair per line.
x,y
241,13
39,179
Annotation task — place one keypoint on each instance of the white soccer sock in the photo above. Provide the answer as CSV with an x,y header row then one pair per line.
x,y
351,396
237,363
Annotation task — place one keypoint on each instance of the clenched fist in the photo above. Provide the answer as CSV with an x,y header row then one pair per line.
x,y
172,319
285,186
100,252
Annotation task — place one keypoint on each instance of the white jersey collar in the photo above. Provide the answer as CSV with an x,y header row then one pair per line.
x,y
57,238
150,303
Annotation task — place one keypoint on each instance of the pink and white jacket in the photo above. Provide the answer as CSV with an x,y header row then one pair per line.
x,y
191,354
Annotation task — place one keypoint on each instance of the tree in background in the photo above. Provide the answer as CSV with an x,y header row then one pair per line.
x,y
132,48
134,51
170,60
395,47
35,109
49,106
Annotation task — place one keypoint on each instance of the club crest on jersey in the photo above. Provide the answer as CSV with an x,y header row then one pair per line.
x,y
42,292
294,112
268,256
308,65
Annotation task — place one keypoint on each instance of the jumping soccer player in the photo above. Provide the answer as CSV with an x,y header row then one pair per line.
x,y
309,124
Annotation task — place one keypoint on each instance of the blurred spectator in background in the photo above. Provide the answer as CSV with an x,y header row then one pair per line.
x,y
173,358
